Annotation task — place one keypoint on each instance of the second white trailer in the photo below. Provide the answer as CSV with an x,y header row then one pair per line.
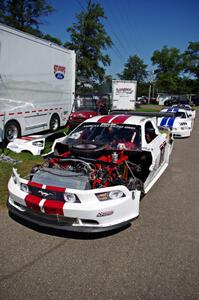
x,y
123,95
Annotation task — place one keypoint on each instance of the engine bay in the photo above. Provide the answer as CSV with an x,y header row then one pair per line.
x,y
76,172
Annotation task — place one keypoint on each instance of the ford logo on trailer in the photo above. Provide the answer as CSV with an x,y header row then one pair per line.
x,y
59,71
59,75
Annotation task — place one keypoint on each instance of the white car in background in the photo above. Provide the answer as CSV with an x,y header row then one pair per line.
x,y
180,124
190,111
33,143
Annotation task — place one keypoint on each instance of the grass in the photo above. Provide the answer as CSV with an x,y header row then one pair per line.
x,y
27,162
149,108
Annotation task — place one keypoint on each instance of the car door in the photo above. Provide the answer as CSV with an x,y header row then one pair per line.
x,y
156,144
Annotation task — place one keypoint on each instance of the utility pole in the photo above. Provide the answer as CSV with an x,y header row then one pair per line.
x,y
151,80
149,96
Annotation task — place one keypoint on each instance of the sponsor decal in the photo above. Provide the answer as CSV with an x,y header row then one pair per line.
x,y
105,213
44,194
124,91
163,145
59,71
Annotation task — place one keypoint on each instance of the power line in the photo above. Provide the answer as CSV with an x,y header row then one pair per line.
x,y
80,4
120,43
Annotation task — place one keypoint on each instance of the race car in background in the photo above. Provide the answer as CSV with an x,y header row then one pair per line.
x,y
88,106
93,179
190,111
180,124
34,144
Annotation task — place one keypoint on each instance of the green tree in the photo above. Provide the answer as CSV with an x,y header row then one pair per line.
x,y
24,14
191,59
89,40
169,66
2,10
134,69
105,86
52,39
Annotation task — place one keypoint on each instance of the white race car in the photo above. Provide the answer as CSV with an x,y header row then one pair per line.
x,y
32,143
180,124
93,179
190,111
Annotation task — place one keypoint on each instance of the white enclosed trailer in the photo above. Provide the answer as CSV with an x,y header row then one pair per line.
x,y
123,95
37,84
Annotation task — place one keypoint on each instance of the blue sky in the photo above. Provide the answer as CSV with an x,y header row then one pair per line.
x,y
136,27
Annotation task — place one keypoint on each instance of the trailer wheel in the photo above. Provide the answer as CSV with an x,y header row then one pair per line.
x,y
54,122
12,131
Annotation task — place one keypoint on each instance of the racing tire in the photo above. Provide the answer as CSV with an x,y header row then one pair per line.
x,y
54,122
12,131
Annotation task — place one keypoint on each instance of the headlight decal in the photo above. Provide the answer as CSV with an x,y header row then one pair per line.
x,y
24,187
38,143
71,198
112,195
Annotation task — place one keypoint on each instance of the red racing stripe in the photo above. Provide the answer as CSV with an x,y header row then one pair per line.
x,y
28,138
33,202
55,188
53,207
120,119
31,183
105,119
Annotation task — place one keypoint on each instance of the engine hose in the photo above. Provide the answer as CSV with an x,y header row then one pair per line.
x,y
88,165
126,163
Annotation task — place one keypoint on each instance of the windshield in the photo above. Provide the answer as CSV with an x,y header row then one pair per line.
x,y
180,114
113,136
86,104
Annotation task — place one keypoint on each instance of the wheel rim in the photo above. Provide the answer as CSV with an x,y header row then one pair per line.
x,y
11,133
54,123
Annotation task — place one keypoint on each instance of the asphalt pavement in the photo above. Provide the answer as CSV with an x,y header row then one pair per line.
x,y
157,257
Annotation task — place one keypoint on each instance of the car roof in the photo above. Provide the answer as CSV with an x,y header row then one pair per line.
x,y
181,106
119,119
173,109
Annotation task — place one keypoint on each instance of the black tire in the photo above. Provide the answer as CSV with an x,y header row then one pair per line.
x,y
166,103
54,122
12,131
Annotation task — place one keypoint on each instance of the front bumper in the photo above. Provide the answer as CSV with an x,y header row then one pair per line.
x,y
181,133
57,223
91,215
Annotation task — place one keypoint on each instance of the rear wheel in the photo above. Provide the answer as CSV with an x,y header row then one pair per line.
x,y
12,131
54,122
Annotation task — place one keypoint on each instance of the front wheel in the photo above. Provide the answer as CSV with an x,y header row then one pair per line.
x,y
54,122
12,131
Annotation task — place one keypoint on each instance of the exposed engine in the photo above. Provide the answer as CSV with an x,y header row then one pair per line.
x,y
89,173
